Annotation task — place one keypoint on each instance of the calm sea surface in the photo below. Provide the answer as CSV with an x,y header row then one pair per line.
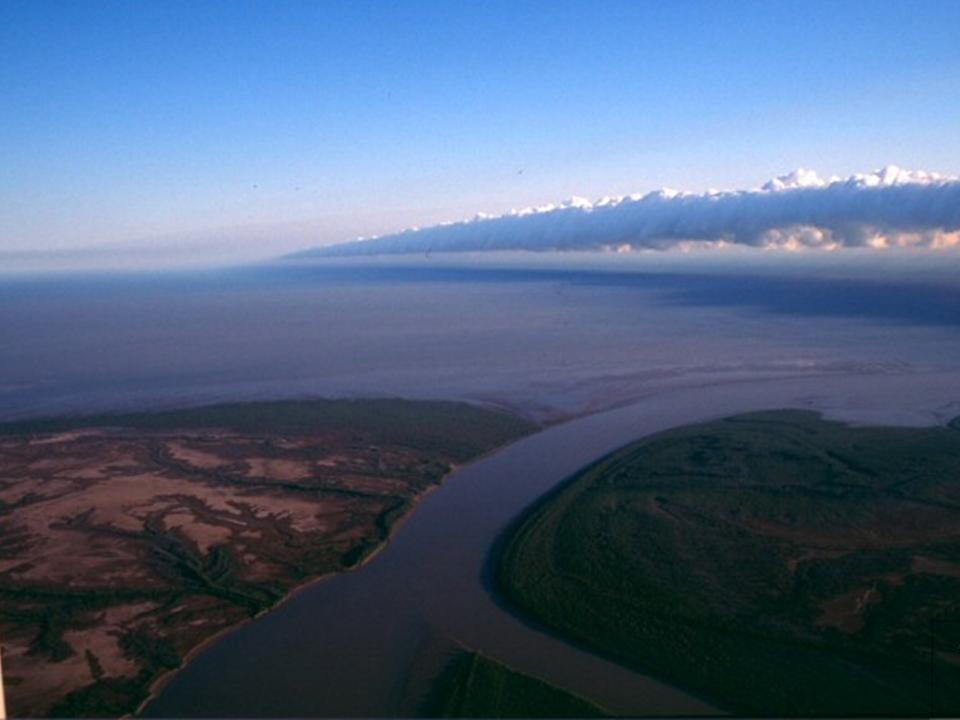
x,y
550,342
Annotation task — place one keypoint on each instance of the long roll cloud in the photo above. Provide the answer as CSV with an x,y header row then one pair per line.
x,y
891,207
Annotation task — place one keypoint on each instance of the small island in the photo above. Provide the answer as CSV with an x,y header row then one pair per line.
x,y
128,541
772,563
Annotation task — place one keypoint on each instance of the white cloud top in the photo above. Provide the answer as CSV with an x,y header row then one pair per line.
x,y
890,207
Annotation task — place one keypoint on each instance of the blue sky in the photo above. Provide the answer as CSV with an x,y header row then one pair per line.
x,y
277,125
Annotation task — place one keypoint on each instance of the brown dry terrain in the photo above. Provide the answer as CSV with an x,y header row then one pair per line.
x,y
127,542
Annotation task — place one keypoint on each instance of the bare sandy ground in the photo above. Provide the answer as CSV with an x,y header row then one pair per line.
x,y
117,546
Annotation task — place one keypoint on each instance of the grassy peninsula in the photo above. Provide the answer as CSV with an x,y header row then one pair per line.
x,y
774,563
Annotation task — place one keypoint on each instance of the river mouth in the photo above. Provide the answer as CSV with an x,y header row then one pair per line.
x,y
365,643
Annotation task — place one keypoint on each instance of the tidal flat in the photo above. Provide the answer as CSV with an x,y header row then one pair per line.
x,y
128,541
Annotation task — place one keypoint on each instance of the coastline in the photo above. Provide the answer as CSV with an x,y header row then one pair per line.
x,y
486,500
406,449
847,401
156,687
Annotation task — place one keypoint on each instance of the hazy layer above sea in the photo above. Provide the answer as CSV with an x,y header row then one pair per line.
x,y
548,335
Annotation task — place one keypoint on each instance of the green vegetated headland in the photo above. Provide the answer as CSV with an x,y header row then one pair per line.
x,y
774,563
456,429
474,686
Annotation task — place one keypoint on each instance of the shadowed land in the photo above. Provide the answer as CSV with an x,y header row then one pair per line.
x,y
127,541
775,563
474,686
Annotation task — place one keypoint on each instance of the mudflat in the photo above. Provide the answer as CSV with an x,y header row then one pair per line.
x,y
128,541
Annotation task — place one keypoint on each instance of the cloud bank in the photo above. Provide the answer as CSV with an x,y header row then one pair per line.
x,y
887,208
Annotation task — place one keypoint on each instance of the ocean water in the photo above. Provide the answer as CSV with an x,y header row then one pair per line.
x,y
550,341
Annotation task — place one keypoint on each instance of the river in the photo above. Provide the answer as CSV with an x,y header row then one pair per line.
x,y
367,642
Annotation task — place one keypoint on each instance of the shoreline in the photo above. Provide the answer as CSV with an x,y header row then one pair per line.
x,y
156,687
496,632
402,451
